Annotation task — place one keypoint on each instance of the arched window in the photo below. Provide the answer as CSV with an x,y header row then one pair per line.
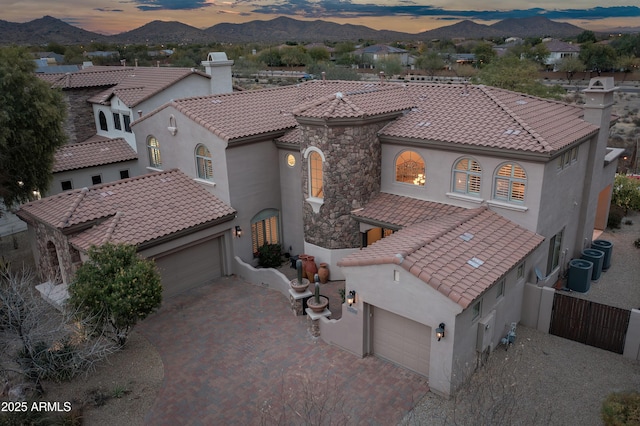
x,y
204,163
316,189
510,182
153,147
264,229
466,177
410,168
103,121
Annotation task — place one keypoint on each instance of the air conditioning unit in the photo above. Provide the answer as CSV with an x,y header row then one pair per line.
x,y
486,327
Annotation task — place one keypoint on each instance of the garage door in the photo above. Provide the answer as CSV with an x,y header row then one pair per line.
x,y
401,340
191,267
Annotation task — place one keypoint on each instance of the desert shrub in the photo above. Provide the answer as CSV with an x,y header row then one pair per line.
x,y
621,408
116,287
616,213
270,255
636,243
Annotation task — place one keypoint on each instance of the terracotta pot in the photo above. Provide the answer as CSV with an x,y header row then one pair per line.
x,y
323,272
299,288
310,268
311,303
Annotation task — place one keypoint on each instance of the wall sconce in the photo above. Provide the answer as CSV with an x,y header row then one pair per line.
x,y
440,331
351,298
238,231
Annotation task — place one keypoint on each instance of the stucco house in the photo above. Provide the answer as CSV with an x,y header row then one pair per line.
x,y
165,214
103,101
436,203
558,50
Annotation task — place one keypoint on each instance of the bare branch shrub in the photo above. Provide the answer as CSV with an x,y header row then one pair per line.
x,y
39,342
303,400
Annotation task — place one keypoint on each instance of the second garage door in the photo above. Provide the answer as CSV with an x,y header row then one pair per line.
x,y
401,340
191,267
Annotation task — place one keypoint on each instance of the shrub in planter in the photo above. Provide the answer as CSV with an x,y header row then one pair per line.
x,y
270,255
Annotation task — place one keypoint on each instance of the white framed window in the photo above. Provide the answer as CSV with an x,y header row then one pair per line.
x,y
500,289
204,164
520,271
555,247
116,121
102,119
66,185
410,168
476,310
467,177
265,229
567,158
96,179
153,148
316,186
127,122
509,183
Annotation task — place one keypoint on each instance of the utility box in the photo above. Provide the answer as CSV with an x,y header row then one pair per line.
x,y
486,327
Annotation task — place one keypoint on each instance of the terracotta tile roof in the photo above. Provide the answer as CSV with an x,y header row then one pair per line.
x,y
94,152
490,117
142,83
134,211
292,136
397,211
460,255
96,76
379,100
253,112
456,114
561,46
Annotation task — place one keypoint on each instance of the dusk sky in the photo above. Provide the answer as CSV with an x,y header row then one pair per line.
x,y
412,16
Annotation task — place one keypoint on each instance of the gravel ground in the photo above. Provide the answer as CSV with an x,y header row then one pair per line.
x,y
544,379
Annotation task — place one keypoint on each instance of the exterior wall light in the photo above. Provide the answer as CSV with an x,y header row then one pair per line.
x,y
440,331
351,298
238,231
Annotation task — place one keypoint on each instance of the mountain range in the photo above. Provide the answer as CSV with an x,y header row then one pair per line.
x,y
48,29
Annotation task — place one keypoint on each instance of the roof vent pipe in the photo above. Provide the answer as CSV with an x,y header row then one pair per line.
x,y
381,77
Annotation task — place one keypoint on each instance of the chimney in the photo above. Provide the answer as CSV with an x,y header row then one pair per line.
x,y
597,111
219,68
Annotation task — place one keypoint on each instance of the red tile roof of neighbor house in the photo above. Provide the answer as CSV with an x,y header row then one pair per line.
x,y
133,211
95,151
141,83
460,254
464,115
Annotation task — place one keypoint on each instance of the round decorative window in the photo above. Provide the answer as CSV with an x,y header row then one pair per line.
x,y
291,160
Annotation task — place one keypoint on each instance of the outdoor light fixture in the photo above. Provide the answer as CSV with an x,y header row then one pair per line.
x,y
238,231
440,331
351,298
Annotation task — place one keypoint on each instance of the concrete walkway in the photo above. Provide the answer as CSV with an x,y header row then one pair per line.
x,y
234,354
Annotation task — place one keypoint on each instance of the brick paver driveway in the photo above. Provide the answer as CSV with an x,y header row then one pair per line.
x,y
234,354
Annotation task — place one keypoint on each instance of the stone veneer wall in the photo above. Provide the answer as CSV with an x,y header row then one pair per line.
x,y
351,176
80,124
47,270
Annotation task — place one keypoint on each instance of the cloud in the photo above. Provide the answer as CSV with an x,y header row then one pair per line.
x,y
346,9
148,5
105,9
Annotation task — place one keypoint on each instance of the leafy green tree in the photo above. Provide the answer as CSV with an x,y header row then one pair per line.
x,y
586,36
626,193
318,54
270,57
294,56
484,53
390,65
31,127
519,75
117,288
570,65
430,63
627,45
627,64
598,56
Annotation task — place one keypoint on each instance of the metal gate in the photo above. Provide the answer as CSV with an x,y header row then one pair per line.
x,y
591,323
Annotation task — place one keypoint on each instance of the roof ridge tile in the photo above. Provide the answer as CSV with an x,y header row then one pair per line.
x,y
72,208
